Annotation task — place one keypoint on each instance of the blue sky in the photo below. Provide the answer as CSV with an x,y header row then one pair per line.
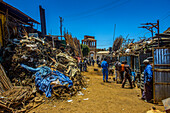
x,y
97,17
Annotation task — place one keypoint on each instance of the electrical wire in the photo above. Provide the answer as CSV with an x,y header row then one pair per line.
x,y
93,10
163,17
99,12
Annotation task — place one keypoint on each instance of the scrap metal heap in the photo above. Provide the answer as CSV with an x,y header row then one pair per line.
x,y
144,45
35,68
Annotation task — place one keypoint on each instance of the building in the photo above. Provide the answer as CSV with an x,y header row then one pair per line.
x,y
91,42
102,54
13,21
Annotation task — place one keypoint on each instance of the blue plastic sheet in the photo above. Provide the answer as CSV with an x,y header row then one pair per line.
x,y
44,76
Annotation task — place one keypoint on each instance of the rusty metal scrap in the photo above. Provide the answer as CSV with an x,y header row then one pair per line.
x,y
5,83
21,48
17,99
35,52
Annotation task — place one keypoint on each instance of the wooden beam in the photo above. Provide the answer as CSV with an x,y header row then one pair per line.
x,y
162,70
161,47
153,77
162,83
162,65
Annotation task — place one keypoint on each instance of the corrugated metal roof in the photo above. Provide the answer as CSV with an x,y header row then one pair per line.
x,y
14,12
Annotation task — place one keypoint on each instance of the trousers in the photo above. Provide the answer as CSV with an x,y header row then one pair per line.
x,y
126,76
117,75
85,68
148,94
105,74
122,75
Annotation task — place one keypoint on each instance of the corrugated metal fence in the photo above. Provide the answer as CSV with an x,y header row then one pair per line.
x,y
127,58
161,75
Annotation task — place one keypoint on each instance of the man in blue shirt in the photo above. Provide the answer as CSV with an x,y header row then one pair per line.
x,y
104,65
148,84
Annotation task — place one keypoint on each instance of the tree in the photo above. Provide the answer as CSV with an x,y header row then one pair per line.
x,y
118,43
85,49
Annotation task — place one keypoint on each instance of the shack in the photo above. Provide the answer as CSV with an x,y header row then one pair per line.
x,y
135,53
12,22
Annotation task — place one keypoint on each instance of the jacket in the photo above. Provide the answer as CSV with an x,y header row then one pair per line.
x,y
148,74
104,65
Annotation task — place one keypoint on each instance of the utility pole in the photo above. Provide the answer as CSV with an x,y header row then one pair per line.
x,y
43,22
114,35
61,25
158,31
150,26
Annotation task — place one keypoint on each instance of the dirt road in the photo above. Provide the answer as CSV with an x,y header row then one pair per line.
x,y
100,97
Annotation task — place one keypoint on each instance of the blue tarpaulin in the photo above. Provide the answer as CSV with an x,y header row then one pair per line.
x,y
44,76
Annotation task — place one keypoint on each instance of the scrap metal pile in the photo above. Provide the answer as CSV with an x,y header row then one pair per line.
x,y
16,98
35,68
144,45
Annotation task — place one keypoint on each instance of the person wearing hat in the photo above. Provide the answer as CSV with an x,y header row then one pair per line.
x,y
105,65
148,81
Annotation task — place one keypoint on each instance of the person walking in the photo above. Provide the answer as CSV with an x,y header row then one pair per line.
x,y
80,65
93,62
148,81
97,61
104,65
127,75
89,61
117,69
122,71
85,65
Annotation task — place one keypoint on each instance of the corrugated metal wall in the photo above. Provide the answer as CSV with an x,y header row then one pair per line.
x,y
132,61
161,79
127,58
136,63
142,57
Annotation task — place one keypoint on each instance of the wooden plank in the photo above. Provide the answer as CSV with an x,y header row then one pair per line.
x,y
162,65
162,70
153,76
162,83
4,79
161,47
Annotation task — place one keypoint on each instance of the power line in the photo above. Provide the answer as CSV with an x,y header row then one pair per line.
x,y
164,25
138,34
101,11
163,17
93,10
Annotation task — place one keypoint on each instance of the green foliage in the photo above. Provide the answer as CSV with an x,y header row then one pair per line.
x,y
85,49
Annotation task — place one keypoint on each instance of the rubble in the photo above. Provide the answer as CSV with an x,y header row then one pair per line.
x,y
144,45
42,64
18,99
15,98
5,83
